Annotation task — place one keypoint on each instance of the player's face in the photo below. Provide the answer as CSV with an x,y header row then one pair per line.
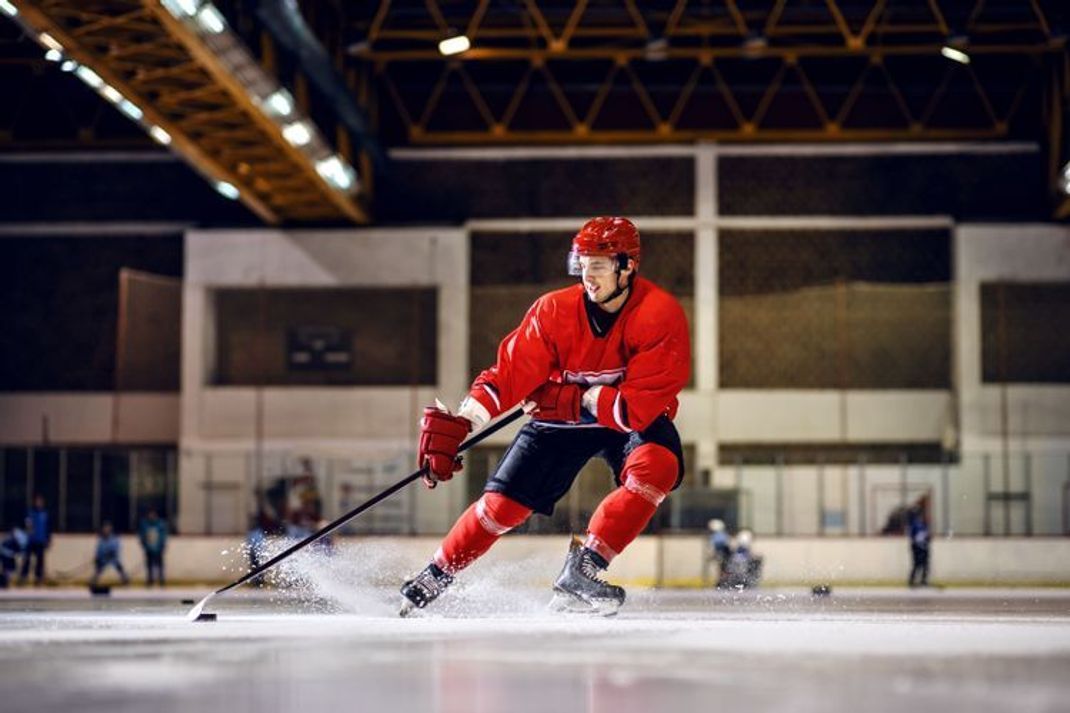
x,y
599,276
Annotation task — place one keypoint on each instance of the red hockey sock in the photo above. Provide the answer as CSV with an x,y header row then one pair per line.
x,y
477,529
649,474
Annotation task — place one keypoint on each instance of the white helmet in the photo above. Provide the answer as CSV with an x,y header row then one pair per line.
x,y
715,525
744,538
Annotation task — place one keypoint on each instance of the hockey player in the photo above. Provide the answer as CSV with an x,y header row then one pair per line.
x,y
603,362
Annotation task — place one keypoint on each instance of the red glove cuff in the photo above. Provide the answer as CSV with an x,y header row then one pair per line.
x,y
612,411
441,434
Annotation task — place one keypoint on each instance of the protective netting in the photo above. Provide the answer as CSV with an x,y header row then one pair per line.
x,y
1018,344
844,335
834,308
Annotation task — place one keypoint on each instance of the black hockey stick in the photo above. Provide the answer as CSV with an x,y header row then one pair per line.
x,y
331,527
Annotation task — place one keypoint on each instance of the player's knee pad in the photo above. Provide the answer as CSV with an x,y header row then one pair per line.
x,y
498,514
650,471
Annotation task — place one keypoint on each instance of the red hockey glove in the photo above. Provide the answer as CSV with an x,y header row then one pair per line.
x,y
441,434
556,402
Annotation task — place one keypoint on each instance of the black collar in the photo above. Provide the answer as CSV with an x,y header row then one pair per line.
x,y
600,320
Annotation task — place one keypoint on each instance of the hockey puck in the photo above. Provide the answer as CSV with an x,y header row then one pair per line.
x,y
100,590
206,616
189,602
821,590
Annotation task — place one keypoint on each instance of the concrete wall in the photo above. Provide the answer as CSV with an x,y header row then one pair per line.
x,y
218,423
668,560
1039,415
91,419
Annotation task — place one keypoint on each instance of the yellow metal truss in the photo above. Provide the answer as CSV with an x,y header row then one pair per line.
x,y
156,62
622,36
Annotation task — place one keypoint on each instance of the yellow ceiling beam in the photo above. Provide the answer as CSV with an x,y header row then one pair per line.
x,y
159,64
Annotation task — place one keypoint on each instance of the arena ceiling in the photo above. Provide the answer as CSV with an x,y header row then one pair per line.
x,y
582,72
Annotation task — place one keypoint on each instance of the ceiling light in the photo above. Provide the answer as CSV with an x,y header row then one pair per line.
x,y
53,55
181,8
228,190
160,136
454,45
68,66
280,103
211,20
656,50
131,109
89,76
297,133
954,54
336,172
8,9
50,42
111,94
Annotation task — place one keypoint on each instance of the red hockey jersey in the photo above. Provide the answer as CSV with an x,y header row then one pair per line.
x,y
642,361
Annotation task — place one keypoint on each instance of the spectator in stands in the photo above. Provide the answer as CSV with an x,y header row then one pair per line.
x,y
39,531
918,532
107,555
11,548
153,536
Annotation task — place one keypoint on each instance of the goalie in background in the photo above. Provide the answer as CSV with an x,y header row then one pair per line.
x,y
603,362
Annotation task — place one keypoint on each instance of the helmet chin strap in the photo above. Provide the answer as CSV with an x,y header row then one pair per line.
x,y
619,291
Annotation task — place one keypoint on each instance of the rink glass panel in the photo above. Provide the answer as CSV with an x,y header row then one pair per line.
x,y
85,487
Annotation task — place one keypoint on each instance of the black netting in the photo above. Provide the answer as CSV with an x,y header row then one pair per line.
x,y
835,309
1020,342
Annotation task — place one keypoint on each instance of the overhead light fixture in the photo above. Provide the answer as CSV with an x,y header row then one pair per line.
x,y
53,55
297,133
111,94
131,109
211,20
454,45
50,42
955,47
656,50
160,136
227,190
336,172
955,55
358,48
280,103
68,66
8,9
755,42
89,76
181,8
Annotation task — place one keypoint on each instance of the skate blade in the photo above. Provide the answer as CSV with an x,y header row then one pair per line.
x,y
568,604
407,608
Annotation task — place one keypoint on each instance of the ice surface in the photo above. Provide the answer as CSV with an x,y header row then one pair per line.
x,y
331,641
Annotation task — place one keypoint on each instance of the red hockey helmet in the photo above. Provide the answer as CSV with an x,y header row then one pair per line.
x,y
604,236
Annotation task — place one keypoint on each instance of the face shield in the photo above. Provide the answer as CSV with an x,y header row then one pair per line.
x,y
593,265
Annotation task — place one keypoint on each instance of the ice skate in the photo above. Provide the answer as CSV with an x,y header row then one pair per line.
x,y
578,588
424,588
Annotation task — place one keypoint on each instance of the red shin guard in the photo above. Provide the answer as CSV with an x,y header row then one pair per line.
x,y
477,529
649,474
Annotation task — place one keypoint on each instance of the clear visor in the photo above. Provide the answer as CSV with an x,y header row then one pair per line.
x,y
594,265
